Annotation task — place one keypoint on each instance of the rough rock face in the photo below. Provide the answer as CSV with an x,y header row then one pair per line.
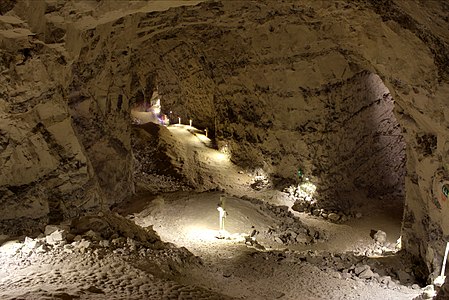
x,y
288,85
152,153
45,174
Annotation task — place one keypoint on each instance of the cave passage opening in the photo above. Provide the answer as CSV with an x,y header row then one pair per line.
x,y
371,155
149,109
367,142
359,163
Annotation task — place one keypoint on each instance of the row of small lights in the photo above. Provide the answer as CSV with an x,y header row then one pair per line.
x,y
190,124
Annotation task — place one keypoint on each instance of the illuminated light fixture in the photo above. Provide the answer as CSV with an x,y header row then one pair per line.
x,y
179,120
399,243
221,217
307,188
222,214
439,281
157,107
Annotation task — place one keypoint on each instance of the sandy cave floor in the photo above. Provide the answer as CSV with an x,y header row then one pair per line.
x,y
238,270
223,268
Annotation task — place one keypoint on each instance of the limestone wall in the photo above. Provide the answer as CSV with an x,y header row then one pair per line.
x,y
287,84
44,173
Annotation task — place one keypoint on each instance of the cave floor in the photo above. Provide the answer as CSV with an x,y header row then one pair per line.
x,y
319,267
234,268
227,268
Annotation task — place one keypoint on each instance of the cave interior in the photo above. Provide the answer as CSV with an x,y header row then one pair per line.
x,y
189,149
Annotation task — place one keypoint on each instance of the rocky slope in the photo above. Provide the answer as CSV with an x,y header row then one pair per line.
x,y
314,85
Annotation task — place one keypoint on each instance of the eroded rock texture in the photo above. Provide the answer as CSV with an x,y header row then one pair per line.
x,y
293,84
45,174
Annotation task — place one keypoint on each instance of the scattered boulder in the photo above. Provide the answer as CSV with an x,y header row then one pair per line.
x,y
87,223
49,229
333,217
385,279
83,245
428,292
278,240
104,243
366,274
32,243
345,274
56,237
95,236
68,248
358,270
391,285
300,206
405,277
380,237
42,249
132,244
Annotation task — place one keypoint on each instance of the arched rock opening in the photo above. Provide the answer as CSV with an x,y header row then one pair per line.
x,y
361,150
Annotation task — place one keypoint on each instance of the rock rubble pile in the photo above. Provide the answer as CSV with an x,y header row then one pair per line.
x,y
289,230
87,234
305,203
389,272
